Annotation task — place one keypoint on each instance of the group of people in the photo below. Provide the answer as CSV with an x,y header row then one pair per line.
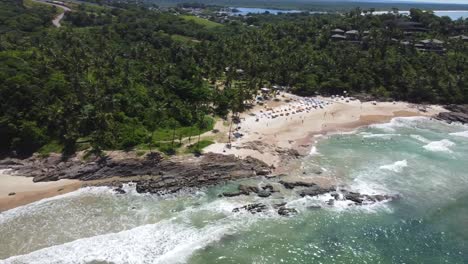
x,y
300,105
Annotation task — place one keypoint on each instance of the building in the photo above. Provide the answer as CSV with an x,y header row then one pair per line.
x,y
338,37
461,37
338,31
352,34
430,45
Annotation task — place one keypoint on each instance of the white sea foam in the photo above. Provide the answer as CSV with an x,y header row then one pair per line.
x,y
385,136
45,204
313,151
163,242
460,134
396,166
440,146
399,122
420,138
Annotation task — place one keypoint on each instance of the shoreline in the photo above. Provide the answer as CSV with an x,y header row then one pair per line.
x,y
266,137
26,191
281,145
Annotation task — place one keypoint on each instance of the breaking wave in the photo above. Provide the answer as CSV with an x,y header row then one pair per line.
x,y
163,242
460,134
440,146
395,167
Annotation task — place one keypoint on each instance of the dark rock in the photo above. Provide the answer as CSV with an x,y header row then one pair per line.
x,y
264,193
279,205
270,188
11,194
458,113
252,208
367,199
232,194
248,189
292,185
355,197
335,195
315,190
314,207
263,172
286,211
120,191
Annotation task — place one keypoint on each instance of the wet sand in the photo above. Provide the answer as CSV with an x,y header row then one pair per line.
x,y
26,191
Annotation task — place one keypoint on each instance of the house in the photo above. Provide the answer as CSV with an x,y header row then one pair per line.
x,y
338,37
461,37
409,27
338,31
352,34
430,45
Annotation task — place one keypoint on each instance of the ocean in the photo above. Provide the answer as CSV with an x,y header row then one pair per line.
x,y
453,14
423,161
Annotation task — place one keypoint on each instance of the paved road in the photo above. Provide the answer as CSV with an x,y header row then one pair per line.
x,y
57,19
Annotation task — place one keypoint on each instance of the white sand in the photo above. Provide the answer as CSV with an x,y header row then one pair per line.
x,y
295,130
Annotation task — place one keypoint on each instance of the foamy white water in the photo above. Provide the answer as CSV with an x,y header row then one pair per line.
x,y
398,166
164,242
440,146
460,134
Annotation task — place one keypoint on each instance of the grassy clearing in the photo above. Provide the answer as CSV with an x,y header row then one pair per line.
x,y
184,39
201,21
196,148
52,147
182,132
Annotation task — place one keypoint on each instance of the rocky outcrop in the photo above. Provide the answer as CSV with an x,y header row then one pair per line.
x,y
292,185
315,190
162,175
211,169
458,113
252,208
283,211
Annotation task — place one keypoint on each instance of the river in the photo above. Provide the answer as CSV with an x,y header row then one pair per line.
x,y
422,160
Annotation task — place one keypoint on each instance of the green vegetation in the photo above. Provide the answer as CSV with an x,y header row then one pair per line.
x,y
131,77
197,148
201,21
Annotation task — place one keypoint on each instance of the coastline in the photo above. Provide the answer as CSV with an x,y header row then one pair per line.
x,y
26,191
279,142
266,138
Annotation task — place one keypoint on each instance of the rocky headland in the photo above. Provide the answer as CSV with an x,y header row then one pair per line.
x,y
457,113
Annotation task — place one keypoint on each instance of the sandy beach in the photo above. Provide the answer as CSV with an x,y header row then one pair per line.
x,y
292,122
26,191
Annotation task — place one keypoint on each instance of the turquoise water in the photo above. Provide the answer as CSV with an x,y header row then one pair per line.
x,y
422,160
246,10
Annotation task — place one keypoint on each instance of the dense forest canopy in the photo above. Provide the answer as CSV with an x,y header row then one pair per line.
x,y
128,76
